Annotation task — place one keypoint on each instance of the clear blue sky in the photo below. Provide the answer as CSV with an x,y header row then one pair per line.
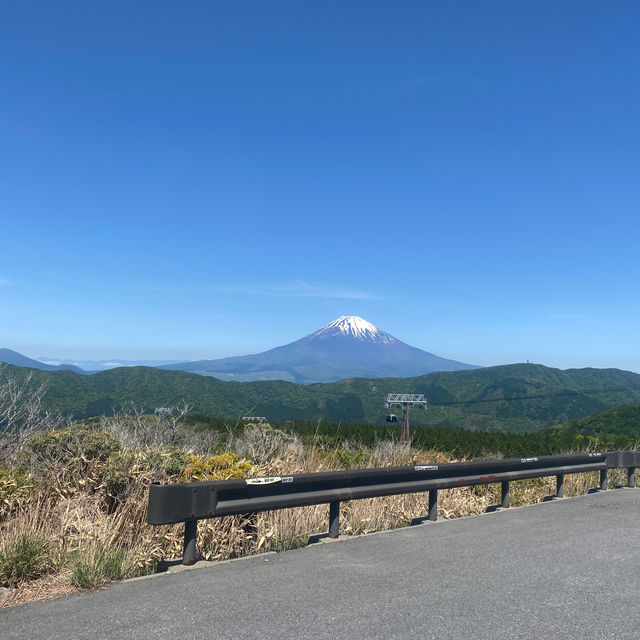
x,y
203,179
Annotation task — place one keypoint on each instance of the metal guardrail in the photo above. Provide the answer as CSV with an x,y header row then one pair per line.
x,y
192,501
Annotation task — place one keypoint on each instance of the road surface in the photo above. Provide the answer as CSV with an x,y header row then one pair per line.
x,y
563,569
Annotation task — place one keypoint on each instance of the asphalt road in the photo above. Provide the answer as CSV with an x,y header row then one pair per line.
x,y
564,569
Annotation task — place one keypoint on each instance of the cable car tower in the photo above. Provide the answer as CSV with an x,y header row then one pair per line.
x,y
405,400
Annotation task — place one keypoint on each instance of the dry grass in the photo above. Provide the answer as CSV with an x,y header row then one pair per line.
x,y
89,531
47,588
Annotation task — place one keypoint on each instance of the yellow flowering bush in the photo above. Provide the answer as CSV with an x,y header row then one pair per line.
x,y
219,467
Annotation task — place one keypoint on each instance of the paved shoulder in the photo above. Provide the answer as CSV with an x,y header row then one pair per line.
x,y
564,569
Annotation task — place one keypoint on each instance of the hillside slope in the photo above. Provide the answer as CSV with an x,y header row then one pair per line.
x,y
617,427
511,398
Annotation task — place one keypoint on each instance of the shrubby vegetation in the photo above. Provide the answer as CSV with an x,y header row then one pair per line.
x,y
457,443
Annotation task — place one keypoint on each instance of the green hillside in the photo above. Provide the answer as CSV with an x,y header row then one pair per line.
x,y
615,428
517,398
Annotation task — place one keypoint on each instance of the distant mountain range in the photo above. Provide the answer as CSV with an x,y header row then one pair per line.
x,y
517,398
345,348
45,363
92,366
348,347
13,357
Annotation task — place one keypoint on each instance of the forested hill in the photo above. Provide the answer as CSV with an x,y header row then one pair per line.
x,y
616,428
515,398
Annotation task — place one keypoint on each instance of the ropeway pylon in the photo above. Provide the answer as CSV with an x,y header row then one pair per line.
x,y
405,400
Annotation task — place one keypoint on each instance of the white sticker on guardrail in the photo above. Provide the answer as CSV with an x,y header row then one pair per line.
x,y
269,480
595,455
287,478
528,459
426,467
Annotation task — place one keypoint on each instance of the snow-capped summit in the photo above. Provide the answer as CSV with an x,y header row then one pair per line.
x,y
348,347
355,327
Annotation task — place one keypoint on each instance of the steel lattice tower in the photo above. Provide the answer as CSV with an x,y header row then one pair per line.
x,y
405,400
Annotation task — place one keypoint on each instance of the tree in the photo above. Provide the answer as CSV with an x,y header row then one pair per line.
x,y
21,413
136,429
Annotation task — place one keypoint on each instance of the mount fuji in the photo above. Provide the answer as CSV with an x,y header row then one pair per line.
x,y
349,347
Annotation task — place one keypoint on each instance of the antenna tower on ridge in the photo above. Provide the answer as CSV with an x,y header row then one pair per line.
x,y
405,400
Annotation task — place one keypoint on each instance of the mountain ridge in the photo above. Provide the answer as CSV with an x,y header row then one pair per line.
x,y
13,357
516,398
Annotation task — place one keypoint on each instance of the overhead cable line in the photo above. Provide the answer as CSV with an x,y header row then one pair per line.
x,y
541,396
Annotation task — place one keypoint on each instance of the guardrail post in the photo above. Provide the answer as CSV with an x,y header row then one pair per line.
x,y
603,480
505,495
189,548
631,477
433,504
560,486
334,518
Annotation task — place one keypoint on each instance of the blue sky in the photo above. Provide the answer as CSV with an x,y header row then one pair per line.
x,y
207,179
